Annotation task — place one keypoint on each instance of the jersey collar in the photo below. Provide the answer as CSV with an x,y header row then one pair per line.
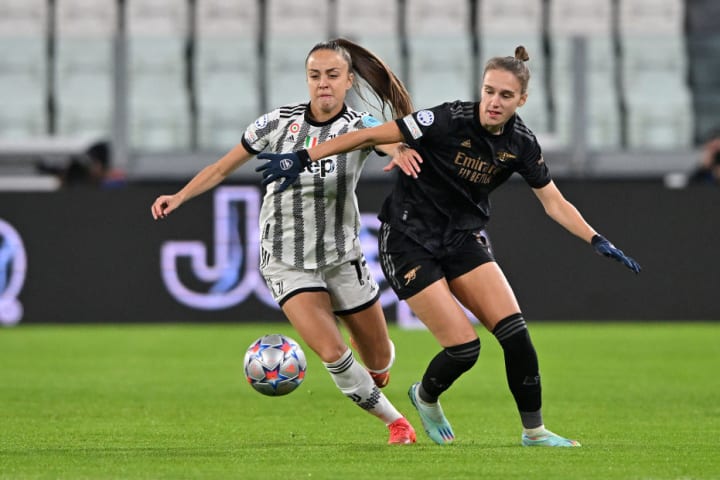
x,y
506,129
315,123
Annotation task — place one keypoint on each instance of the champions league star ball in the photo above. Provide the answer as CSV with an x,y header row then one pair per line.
x,y
275,365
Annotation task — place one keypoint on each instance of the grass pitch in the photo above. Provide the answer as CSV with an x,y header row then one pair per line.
x,y
170,402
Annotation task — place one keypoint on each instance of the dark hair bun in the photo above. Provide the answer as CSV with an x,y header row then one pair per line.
x,y
521,53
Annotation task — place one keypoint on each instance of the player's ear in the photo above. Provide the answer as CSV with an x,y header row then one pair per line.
x,y
523,99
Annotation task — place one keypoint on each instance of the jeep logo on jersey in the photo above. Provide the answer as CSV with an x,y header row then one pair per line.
x,y
323,167
13,267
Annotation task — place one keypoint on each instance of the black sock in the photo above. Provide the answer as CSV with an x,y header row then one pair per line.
x,y
521,368
446,367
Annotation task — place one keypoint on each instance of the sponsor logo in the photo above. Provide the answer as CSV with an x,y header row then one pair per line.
x,y
233,274
425,117
412,127
466,144
475,170
411,275
251,136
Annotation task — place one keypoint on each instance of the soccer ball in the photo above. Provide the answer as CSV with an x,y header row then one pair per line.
x,y
275,365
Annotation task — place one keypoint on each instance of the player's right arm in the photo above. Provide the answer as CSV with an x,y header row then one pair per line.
x,y
386,133
204,180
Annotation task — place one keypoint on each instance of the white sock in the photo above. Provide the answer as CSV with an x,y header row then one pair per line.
x,y
356,384
392,360
533,432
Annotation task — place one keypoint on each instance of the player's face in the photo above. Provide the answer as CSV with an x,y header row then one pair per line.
x,y
500,97
328,80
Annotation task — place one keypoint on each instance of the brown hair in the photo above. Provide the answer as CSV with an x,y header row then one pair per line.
x,y
384,84
515,65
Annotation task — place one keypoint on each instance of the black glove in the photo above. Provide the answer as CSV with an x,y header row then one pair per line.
x,y
603,247
287,166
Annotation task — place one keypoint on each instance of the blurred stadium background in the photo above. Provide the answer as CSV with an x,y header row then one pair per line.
x,y
624,94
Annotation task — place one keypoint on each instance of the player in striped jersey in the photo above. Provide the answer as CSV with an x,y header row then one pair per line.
x,y
432,247
311,255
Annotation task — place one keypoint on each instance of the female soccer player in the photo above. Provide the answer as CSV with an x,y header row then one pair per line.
x,y
311,256
432,248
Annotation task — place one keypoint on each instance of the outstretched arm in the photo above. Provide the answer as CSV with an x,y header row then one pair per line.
x,y
205,179
368,137
565,213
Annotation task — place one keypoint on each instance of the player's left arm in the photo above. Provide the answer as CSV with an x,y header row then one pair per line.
x,y
565,213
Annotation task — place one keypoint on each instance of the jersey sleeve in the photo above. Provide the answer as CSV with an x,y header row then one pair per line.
x,y
257,135
425,125
532,166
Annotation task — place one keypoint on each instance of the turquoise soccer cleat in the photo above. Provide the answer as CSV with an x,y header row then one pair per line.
x,y
433,419
547,439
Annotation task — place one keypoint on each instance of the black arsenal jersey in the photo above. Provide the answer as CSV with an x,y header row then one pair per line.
x,y
462,164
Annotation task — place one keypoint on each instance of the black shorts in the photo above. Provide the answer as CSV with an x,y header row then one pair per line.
x,y
409,267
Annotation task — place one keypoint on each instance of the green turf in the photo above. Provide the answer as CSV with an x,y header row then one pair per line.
x,y
170,402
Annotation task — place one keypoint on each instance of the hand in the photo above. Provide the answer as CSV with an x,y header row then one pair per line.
x,y
163,205
603,247
407,159
287,166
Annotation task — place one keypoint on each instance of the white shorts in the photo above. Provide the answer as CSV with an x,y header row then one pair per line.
x,y
349,282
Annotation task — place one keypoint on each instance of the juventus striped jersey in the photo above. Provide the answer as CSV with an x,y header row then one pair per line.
x,y
463,163
316,221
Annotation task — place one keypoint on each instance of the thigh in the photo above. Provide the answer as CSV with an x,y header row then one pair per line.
x,y
486,292
351,285
440,312
311,315
408,266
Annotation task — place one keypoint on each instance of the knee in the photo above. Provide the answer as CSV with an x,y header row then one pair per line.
x,y
466,353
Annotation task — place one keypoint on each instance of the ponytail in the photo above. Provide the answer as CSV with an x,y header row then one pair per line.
x,y
384,84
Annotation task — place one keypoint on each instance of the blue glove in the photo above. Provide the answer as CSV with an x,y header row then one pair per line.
x,y
287,166
603,247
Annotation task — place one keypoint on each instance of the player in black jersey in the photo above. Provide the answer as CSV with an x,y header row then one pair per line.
x,y
433,250
312,259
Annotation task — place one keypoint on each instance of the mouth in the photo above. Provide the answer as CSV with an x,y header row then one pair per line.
x,y
494,114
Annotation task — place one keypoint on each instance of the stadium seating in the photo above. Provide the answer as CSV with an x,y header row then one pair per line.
x,y
226,67
23,68
159,113
440,52
85,66
69,89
